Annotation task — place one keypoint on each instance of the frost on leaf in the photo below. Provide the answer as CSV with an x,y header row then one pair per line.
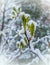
x,y
31,27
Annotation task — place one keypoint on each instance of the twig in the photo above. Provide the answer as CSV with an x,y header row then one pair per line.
x,y
2,27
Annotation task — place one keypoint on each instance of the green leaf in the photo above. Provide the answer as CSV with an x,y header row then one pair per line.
x,y
24,22
27,19
18,10
31,29
13,13
21,45
17,46
26,41
13,16
14,9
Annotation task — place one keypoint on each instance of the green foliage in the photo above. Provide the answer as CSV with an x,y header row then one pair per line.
x,y
24,21
15,12
18,10
21,45
26,41
14,9
31,29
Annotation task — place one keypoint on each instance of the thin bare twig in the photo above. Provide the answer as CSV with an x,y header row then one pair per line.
x,y
2,27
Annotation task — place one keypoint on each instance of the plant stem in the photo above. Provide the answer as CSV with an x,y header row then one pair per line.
x,y
28,39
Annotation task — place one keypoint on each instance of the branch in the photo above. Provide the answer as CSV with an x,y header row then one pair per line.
x,y
41,39
2,27
18,55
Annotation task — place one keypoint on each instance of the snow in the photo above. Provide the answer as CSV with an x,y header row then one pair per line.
x,y
31,21
9,41
22,13
3,60
27,15
28,34
22,40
